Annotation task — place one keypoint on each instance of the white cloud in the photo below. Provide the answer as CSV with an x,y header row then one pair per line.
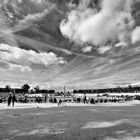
x,y
121,44
28,57
87,49
21,68
12,84
19,1
31,18
14,67
38,1
104,49
86,25
136,35
67,52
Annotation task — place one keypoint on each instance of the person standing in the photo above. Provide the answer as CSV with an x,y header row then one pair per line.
x,y
85,98
9,99
59,102
13,99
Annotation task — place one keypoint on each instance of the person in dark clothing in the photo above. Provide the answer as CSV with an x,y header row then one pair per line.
x,y
55,100
59,102
45,100
13,99
9,100
92,101
85,98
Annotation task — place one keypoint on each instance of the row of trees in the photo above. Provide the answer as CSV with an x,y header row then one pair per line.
x,y
129,89
26,89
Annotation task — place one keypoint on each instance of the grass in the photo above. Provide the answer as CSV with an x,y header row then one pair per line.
x,y
71,123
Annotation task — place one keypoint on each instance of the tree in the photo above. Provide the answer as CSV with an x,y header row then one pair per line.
x,y
36,88
26,87
7,88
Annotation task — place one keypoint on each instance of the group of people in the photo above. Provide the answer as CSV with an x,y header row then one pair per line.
x,y
59,101
11,99
77,99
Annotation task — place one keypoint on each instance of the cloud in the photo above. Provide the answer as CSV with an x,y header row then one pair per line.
x,y
19,1
12,84
87,49
21,68
28,57
67,52
136,35
30,19
120,44
112,23
3,65
5,31
38,1
14,67
104,49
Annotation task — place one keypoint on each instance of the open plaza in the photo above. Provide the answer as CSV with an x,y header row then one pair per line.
x,y
73,121
69,70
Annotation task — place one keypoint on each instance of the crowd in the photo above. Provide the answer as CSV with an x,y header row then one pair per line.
x,y
104,99
76,98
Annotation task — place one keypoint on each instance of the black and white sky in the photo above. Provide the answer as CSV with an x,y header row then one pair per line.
x,y
76,43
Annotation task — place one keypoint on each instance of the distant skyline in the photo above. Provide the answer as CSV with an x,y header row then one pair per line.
x,y
77,43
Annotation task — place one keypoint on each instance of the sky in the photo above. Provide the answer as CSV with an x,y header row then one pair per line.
x,y
74,43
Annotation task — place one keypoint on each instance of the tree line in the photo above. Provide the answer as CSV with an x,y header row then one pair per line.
x,y
128,89
25,89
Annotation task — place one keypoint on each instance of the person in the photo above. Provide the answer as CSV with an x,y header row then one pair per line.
x,y
85,98
59,102
64,102
92,101
9,99
55,100
45,100
13,99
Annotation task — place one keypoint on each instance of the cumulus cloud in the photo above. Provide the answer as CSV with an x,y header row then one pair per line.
x,y
27,57
112,23
136,35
